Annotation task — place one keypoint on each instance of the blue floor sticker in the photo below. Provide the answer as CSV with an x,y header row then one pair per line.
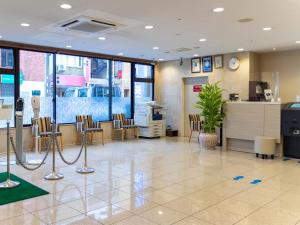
x,y
255,182
237,178
286,159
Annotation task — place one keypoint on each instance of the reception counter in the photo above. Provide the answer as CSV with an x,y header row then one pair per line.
x,y
246,120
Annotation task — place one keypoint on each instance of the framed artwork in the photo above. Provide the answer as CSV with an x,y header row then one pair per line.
x,y
196,65
218,61
207,64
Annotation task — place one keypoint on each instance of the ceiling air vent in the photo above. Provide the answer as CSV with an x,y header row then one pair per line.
x,y
182,49
88,25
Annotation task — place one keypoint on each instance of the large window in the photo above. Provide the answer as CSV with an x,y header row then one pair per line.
x,y
121,88
82,88
36,78
7,81
143,83
72,85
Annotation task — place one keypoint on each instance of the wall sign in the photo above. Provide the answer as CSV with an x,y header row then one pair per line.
x,y
197,88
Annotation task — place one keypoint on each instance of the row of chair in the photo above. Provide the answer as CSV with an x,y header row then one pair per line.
x,y
120,125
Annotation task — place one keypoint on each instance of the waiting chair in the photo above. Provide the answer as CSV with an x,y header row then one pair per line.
x,y
91,129
121,124
195,124
45,132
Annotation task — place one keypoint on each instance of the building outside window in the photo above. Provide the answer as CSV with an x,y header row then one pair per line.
x,y
36,76
121,88
143,85
81,88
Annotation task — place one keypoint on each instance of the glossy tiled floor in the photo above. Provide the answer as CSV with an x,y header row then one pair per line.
x,y
164,181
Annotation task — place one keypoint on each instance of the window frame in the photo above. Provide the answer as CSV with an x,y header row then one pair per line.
x,y
17,47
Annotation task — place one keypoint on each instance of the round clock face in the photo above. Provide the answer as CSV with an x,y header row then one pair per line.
x,y
234,63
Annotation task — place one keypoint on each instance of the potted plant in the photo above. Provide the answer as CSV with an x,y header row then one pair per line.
x,y
210,104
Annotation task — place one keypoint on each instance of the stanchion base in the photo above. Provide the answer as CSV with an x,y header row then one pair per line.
x,y
85,170
9,184
54,176
12,162
35,162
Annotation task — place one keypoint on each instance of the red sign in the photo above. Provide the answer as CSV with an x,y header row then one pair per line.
x,y
197,88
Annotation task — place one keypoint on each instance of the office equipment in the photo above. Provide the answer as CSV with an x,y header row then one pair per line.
x,y
256,90
150,117
291,129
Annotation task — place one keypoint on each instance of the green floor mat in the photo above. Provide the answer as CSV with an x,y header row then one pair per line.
x,y
24,191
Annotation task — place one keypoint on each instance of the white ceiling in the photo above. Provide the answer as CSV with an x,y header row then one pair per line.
x,y
224,34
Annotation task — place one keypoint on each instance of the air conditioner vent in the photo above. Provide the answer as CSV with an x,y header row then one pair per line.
x,y
182,49
88,25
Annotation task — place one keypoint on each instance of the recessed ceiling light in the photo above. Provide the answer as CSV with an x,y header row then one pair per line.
x,y
149,27
65,6
0,36
274,49
218,10
102,38
160,212
267,28
241,49
25,24
68,46
202,39
155,48
160,59
297,42
120,53
196,55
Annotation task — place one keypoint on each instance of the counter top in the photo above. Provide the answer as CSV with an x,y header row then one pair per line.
x,y
248,102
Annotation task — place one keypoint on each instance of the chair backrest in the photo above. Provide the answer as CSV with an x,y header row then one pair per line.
x,y
44,124
195,122
118,120
81,118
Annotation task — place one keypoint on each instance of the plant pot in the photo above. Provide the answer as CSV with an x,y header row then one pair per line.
x,y
208,141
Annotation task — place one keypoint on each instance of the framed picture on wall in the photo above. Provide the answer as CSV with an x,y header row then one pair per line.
x,y
207,64
196,65
218,61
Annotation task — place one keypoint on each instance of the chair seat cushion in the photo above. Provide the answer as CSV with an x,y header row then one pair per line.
x,y
94,130
47,134
129,126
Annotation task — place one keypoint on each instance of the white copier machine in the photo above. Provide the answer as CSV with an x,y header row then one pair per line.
x,y
150,118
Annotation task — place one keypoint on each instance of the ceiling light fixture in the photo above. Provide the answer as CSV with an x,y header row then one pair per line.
x,y
218,10
202,39
102,38
267,28
65,6
155,48
160,59
297,42
149,27
25,24
0,36
120,53
274,49
196,55
240,49
68,46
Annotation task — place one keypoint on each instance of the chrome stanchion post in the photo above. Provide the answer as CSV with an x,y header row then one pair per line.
x,y
85,169
8,183
53,175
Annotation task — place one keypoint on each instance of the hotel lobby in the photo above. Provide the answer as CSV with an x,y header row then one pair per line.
x,y
149,112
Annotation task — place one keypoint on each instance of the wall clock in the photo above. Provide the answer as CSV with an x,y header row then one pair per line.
x,y
234,63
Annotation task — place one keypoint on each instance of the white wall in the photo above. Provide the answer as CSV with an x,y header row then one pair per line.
x,y
169,85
